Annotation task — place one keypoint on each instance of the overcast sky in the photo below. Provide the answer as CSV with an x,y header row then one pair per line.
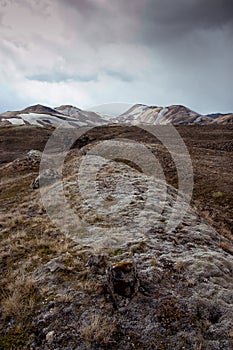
x,y
89,52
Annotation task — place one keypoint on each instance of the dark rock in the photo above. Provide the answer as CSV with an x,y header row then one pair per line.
x,y
122,278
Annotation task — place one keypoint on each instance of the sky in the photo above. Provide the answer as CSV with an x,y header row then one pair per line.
x,y
91,52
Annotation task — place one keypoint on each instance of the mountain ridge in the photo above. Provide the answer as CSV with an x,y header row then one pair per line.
x,y
43,116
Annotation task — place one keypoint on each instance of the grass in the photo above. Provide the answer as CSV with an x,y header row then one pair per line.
x,y
227,247
99,330
16,338
19,298
29,241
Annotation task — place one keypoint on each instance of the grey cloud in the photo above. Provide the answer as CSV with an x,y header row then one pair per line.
x,y
1,17
167,19
152,51
150,22
58,77
119,75
105,22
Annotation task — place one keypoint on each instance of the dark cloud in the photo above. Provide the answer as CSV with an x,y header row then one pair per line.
x,y
150,51
91,8
167,19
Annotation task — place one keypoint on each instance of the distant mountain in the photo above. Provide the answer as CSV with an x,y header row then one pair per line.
x,y
175,115
40,115
111,109
224,119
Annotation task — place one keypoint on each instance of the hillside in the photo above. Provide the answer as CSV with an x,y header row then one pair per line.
x,y
113,277
44,116
175,115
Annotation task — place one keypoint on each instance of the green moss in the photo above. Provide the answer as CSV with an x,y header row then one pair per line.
x,y
218,194
117,252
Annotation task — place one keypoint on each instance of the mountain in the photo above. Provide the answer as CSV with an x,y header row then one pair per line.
x,y
113,109
224,119
43,116
175,114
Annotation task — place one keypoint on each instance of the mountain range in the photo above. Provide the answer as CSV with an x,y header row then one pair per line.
x,y
44,116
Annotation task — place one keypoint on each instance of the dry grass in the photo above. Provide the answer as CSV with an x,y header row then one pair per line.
x,y
19,298
179,265
227,247
99,330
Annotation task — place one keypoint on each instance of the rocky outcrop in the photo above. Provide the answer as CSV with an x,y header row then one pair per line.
x,y
132,284
34,156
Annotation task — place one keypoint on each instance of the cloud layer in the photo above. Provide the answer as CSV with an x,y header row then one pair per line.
x,y
89,52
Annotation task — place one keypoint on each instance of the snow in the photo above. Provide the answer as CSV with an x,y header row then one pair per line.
x,y
70,111
31,118
14,121
135,113
34,118
162,113
198,120
81,123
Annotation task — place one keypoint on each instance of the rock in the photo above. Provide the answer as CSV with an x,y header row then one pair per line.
x,y
97,263
47,178
122,278
34,156
50,337
81,141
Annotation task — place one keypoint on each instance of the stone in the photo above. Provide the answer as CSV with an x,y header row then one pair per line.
x,y
50,337
122,278
48,177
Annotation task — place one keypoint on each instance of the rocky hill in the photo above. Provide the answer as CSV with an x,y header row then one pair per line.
x,y
43,116
175,115
111,275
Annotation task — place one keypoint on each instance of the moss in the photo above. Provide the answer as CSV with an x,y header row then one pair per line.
x,y
218,194
16,338
139,247
170,314
117,252
154,263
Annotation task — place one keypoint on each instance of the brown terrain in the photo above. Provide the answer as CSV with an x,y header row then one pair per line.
x,y
151,291
210,148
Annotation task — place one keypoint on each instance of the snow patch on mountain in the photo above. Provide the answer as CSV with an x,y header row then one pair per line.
x,y
14,121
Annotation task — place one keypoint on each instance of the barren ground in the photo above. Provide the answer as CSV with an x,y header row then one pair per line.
x,y
157,291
